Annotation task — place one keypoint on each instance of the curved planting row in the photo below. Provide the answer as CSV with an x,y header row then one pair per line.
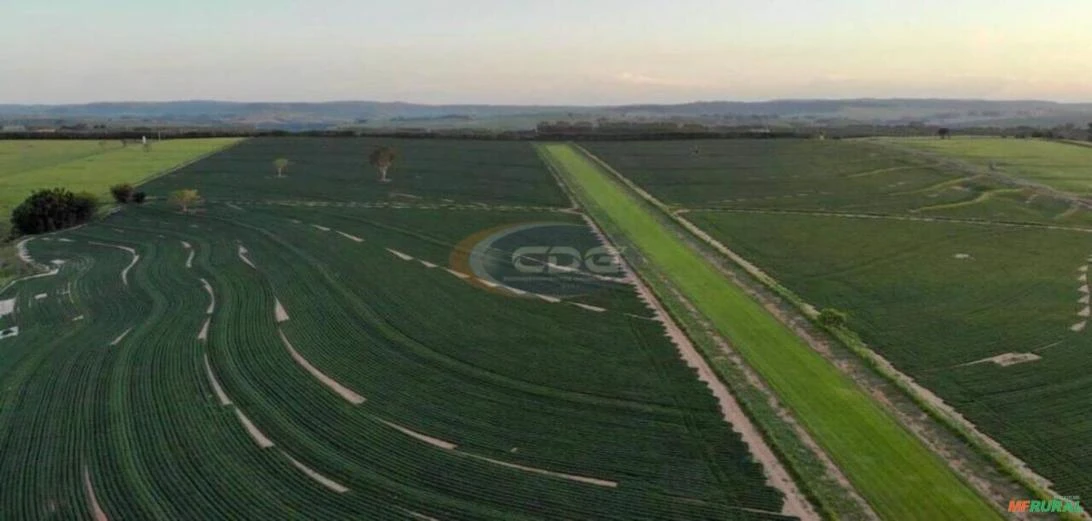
x,y
479,406
46,423
411,363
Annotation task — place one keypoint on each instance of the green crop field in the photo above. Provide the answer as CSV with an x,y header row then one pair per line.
x,y
939,292
939,298
337,170
889,467
851,177
82,165
301,348
1064,166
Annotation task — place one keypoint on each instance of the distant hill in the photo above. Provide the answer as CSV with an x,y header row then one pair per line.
x,y
394,114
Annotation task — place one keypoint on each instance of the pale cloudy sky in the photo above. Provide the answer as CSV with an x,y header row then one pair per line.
x,y
542,51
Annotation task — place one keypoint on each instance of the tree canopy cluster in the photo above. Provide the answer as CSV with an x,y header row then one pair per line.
x,y
51,210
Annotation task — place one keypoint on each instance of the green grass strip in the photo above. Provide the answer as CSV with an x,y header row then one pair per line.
x,y
894,471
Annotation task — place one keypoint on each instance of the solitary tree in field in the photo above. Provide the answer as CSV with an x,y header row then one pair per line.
x,y
280,165
183,199
944,133
382,158
1090,131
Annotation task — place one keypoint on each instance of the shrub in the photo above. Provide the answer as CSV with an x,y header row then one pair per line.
x,y
183,199
85,204
53,209
122,193
139,197
831,317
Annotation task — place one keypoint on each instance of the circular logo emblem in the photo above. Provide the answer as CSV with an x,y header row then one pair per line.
x,y
553,259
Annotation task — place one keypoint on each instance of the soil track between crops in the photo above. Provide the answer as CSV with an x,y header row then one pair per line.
x,y
255,434
448,446
571,477
310,203
435,442
212,297
851,215
224,400
418,515
131,251
189,258
96,510
777,475
323,480
332,384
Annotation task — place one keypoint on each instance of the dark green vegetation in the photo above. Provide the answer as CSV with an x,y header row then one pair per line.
x,y
337,170
935,315
50,210
432,387
125,193
938,298
891,469
830,176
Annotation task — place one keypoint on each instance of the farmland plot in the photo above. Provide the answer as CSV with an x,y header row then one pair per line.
x,y
982,301
846,177
941,300
427,172
1063,166
263,361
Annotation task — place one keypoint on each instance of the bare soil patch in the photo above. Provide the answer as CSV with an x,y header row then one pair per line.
x,y
96,510
435,442
323,480
339,389
1007,359
224,400
256,434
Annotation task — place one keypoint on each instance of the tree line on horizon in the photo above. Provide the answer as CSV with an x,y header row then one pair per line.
x,y
592,129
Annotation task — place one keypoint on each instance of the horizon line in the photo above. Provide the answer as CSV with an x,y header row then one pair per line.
x,y
544,105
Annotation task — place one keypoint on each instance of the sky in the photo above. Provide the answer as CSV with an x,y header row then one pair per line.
x,y
542,51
